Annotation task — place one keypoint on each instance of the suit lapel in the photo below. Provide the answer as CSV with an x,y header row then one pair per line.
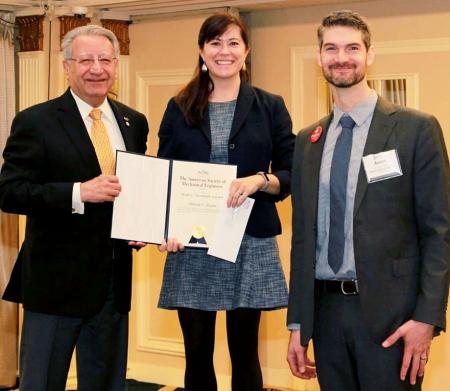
x,y
125,126
380,129
244,103
72,123
313,160
206,126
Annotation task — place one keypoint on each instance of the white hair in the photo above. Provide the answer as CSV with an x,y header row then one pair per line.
x,y
90,29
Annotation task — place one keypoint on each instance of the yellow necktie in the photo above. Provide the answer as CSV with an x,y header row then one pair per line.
x,y
102,145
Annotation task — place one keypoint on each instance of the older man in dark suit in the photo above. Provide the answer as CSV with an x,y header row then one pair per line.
x,y
371,220
74,281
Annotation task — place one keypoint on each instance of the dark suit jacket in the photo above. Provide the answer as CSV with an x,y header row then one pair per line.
x,y
400,225
67,260
261,136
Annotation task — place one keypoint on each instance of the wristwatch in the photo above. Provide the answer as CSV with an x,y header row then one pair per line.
x,y
266,180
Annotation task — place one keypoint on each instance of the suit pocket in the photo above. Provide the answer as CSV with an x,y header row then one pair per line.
x,y
405,266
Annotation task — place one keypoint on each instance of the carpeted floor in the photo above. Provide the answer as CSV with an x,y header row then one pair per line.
x,y
133,385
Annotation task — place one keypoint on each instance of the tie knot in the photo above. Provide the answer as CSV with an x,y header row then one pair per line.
x,y
347,122
95,114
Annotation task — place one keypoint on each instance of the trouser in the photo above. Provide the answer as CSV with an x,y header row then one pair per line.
x,y
242,333
48,342
346,357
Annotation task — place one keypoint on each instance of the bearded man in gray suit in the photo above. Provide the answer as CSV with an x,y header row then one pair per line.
x,y
371,217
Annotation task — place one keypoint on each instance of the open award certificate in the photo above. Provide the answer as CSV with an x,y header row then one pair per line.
x,y
163,198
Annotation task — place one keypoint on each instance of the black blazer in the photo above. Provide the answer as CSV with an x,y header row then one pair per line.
x,y
401,226
261,137
67,260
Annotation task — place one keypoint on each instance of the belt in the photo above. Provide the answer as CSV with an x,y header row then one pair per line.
x,y
347,287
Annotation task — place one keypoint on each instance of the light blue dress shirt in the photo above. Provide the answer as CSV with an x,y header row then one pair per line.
x,y
362,115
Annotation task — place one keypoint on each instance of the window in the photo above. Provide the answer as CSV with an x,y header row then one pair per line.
x,y
399,89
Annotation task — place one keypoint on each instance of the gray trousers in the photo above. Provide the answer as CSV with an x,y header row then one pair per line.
x,y
346,357
48,342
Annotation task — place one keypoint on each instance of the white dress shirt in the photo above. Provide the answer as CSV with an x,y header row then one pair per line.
x,y
114,134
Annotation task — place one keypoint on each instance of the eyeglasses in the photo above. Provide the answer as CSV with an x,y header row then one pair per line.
x,y
87,62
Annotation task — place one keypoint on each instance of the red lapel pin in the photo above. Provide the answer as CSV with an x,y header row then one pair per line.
x,y
315,135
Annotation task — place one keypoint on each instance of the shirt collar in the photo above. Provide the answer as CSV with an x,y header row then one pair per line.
x,y
85,108
361,112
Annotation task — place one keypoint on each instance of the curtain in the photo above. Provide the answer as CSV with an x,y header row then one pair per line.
x,y
394,90
8,223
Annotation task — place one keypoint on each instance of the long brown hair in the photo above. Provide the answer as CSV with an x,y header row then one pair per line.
x,y
193,98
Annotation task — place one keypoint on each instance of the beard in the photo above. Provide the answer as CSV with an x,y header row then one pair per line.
x,y
343,81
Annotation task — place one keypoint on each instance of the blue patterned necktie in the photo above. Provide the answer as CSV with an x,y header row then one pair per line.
x,y
338,193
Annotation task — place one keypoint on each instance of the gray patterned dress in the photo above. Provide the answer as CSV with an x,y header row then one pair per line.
x,y
194,279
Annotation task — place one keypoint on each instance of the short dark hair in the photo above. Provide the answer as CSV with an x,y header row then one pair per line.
x,y
345,18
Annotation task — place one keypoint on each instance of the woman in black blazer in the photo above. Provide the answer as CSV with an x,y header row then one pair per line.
x,y
220,118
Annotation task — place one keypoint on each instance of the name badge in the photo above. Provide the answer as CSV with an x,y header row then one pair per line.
x,y
381,166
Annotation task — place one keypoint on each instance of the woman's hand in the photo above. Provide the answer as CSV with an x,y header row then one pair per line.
x,y
241,188
171,246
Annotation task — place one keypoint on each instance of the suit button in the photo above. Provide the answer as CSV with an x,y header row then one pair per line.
x,y
232,146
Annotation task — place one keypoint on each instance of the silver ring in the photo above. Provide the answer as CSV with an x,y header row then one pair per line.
x,y
424,358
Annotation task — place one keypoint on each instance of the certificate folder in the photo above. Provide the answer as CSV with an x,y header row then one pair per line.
x,y
163,198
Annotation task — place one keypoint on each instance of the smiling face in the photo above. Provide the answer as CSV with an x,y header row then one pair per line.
x,y
344,57
225,55
91,81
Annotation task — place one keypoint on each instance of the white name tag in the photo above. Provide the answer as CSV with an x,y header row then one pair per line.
x,y
381,166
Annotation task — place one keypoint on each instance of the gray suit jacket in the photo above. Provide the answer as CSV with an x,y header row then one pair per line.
x,y
401,226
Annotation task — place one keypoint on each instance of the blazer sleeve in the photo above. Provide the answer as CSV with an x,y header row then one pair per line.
x,y
432,208
23,189
283,147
